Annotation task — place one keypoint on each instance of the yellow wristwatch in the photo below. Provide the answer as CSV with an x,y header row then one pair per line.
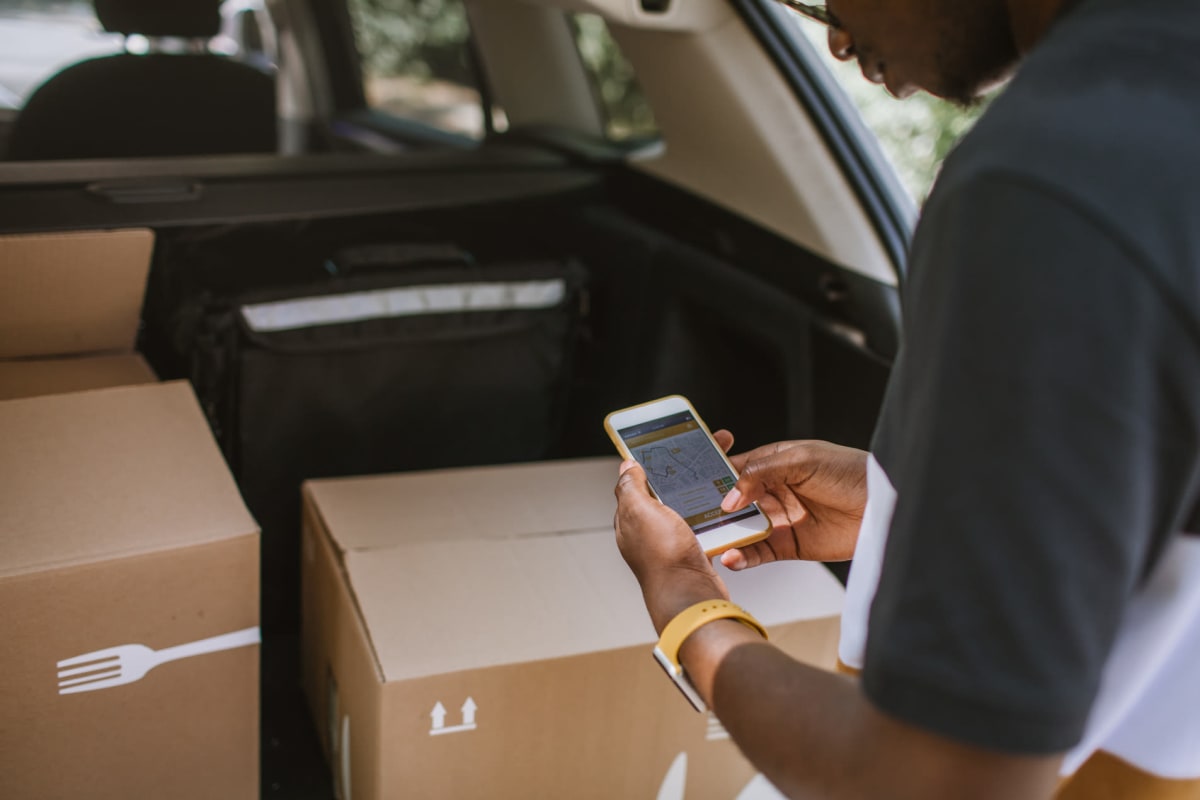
x,y
686,623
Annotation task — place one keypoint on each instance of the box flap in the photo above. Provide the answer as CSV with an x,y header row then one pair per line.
x,y
461,569
102,474
30,377
72,292
434,607
496,502
438,607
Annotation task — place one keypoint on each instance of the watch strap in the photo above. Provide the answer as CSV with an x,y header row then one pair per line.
x,y
684,624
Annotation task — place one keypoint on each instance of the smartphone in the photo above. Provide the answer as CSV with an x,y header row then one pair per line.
x,y
687,470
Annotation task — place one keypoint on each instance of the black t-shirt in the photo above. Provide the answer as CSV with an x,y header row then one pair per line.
x,y
1041,433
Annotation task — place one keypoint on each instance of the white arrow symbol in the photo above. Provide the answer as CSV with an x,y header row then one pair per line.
x,y
468,712
438,715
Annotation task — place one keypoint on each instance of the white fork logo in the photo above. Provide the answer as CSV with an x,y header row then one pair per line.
x,y
114,666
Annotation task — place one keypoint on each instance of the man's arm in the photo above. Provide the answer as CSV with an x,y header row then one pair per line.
x,y
812,733
815,734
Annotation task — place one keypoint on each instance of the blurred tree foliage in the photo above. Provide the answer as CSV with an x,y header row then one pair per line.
x,y
628,114
916,133
421,39
426,40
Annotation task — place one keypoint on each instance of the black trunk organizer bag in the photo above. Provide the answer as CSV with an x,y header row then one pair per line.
x,y
424,368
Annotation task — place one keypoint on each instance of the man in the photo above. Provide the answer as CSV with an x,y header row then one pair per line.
x,y
1024,604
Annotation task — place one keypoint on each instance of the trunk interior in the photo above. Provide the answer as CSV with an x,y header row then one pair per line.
x,y
667,294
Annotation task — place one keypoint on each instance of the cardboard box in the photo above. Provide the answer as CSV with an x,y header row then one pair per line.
x,y
475,633
38,376
122,526
69,310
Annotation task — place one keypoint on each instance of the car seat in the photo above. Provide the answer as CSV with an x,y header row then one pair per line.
x,y
157,104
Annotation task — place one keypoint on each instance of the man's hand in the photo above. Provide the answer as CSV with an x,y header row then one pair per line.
x,y
773,706
661,550
814,494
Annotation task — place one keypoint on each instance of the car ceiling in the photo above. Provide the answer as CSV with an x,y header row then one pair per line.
x,y
736,135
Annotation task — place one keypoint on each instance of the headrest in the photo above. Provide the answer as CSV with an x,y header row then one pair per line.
x,y
189,19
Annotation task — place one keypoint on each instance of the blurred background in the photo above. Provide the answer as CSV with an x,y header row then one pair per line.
x,y
416,62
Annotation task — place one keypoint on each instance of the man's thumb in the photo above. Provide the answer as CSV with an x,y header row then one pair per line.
x,y
632,483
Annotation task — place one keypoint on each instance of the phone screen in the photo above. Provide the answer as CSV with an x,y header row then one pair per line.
x,y
685,469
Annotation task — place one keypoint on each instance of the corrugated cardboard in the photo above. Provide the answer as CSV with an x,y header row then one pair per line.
x,y
38,376
475,633
122,525
69,310
72,292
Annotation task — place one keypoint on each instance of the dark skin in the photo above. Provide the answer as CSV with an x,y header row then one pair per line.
x,y
952,50
814,733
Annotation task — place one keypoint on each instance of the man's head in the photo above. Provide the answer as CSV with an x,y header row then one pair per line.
x,y
954,49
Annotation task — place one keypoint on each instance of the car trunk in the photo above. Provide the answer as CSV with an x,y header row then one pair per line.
x,y
669,294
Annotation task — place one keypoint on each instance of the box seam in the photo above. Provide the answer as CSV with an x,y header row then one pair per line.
x,y
339,553
135,552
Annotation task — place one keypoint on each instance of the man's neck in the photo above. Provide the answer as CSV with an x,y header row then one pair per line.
x,y
1032,20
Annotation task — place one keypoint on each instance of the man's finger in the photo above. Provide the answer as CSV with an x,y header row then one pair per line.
x,y
734,560
740,460
632,484
781,464
750,486
724,439
733,501
748,556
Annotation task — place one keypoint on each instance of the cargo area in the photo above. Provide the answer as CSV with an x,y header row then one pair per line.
x,y
470,316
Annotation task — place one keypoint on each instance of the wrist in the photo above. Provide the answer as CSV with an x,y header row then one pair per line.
x,y
670,594
712,642
702,635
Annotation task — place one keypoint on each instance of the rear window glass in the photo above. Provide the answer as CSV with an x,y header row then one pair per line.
x,y
416,62
627,114
39,38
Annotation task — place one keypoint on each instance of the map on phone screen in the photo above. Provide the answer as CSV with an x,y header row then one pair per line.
x,y
684,468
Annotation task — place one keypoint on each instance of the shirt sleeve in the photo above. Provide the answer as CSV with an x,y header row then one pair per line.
x,y
1040,431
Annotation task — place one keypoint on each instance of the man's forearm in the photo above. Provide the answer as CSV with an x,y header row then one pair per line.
x,y
786,717
815,734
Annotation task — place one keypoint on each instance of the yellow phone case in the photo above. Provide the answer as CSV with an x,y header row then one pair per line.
x,y
626,454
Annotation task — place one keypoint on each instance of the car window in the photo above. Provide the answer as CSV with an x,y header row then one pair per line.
x,y
627,114
417,63
916,133
247,34
40,37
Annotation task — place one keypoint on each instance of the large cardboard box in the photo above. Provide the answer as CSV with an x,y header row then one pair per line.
x,y
124,537
474,633
69,310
